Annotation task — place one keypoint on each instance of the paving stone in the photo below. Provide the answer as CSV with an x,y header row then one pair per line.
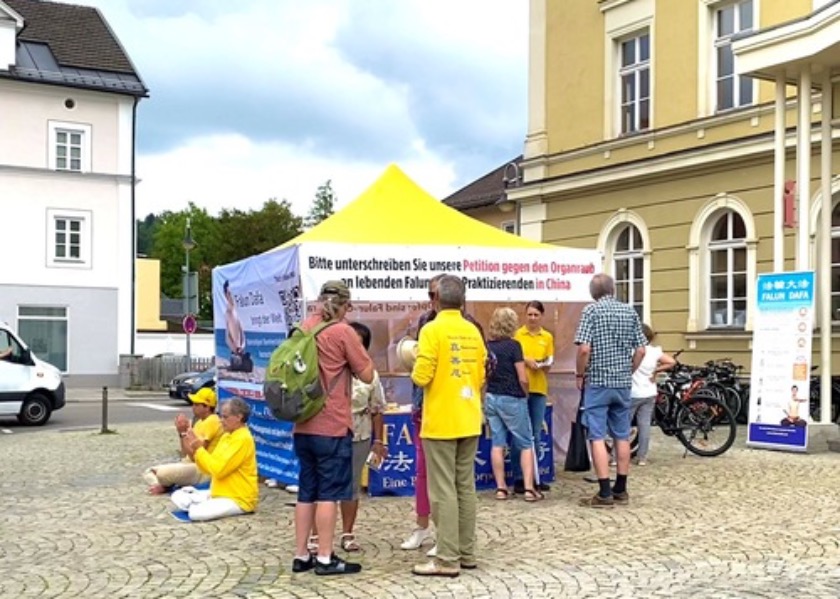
x,y
749,524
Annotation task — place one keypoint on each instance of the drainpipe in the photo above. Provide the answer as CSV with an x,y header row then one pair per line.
x,y
133,223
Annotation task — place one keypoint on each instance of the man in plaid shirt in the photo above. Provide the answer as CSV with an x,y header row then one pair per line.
x,y
611,346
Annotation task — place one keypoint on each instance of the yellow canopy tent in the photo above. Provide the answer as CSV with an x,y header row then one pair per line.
x,y
395,210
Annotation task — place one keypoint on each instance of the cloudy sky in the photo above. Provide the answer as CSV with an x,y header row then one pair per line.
x,y
256,99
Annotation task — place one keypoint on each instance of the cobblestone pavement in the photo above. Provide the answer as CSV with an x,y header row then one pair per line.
x,y
76,522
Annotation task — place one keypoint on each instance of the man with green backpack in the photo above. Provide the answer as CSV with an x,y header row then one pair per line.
x,y
323,431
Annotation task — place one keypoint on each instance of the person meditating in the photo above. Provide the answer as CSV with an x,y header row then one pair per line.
x,y
232,467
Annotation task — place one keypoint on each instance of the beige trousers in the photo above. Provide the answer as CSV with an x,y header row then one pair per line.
x,y
183,473
450,465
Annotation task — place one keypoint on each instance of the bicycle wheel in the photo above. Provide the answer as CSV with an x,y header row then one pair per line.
x,y
705,426
720,393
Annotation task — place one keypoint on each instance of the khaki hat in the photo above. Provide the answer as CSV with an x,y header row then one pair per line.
x,y
205,396
337,288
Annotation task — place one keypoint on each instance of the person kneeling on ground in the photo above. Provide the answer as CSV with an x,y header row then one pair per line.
x,y
232,468
207,427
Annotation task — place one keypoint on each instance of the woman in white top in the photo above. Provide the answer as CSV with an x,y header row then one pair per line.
x,y
644,390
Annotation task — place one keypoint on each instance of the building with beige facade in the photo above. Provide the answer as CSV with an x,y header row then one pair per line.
x,y
671,136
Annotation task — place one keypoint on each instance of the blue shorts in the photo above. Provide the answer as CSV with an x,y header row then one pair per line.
x,y
507,414
607,413
326,468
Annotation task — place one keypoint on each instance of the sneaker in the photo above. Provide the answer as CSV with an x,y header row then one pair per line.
x,y
292,488
597,501
641,462
436,568
303,565
612,462
468,563
336,566
621,498
432,552
416,539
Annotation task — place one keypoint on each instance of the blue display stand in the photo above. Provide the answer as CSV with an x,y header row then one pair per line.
x,y
397,475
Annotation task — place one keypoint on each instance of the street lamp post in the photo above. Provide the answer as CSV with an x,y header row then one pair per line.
x,y
189,244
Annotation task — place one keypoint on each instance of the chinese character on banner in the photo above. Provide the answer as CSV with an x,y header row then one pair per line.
x,y
399,463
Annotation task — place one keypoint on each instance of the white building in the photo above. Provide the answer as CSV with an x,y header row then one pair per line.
x,y
68,100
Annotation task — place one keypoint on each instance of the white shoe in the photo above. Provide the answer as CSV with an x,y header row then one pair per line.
x,y
416,539
432,552
292,488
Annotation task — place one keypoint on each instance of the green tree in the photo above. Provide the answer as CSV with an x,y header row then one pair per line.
x,y
169,249
243,234
323,206
146,234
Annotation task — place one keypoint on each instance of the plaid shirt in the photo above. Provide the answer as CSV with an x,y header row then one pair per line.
x,y
613,331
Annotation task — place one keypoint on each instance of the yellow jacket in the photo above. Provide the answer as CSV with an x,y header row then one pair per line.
x,y
209,429
450,368
539,348
232,468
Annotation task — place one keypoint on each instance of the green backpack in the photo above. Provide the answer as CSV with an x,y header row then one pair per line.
x,y
292,387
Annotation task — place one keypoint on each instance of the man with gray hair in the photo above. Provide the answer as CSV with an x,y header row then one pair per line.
x,y
450,368
611,346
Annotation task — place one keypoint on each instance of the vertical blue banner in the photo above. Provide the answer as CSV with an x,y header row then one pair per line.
x,y
255,302
781,361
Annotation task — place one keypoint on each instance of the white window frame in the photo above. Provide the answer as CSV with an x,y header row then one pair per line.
x,y
85,218
85,130
635,71
65,318
699,267
728,247
606,245
624,19
707,56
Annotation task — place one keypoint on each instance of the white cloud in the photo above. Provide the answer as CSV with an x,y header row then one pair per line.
x,y
230,171
269,98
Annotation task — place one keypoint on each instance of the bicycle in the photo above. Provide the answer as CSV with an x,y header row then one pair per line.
x,y
685,409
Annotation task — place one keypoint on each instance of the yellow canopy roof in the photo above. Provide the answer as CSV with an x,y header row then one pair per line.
x,y
396,211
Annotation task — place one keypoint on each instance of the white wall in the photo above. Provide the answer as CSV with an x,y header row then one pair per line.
x,y
7,42
202,345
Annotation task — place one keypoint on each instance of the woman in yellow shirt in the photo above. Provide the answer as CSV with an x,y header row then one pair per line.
x,y
538,349
232,468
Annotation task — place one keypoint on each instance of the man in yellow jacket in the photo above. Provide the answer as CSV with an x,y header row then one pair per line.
x,y
232,467
450,369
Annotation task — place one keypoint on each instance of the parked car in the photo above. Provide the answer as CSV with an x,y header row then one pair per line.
x,y
30,388
189,382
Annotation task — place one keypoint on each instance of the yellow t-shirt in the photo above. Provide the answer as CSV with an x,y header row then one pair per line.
x,y
538,347
232,468
451,356
209,429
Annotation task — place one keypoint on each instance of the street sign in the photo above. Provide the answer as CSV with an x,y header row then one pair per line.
x,y
190,324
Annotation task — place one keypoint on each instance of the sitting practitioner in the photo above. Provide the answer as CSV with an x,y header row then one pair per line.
x,y
207,427
232,467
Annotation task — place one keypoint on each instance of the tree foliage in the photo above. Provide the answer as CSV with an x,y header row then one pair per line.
x,y
323,206
232,236
146,234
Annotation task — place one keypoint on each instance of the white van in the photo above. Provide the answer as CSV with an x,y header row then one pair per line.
x,y
30,388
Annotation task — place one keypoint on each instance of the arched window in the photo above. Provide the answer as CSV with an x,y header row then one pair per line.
x,y
721,265
728,271
625,245
628,266
835,263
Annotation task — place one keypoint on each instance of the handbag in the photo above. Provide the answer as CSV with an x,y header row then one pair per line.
x,y
577,454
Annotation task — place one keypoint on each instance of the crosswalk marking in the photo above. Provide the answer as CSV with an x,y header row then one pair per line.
x,y
155,406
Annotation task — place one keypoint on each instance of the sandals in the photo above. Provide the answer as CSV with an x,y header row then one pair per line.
x,y
502,494
348,542
532,496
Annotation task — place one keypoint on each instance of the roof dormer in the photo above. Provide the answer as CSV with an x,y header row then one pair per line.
x,y
10,24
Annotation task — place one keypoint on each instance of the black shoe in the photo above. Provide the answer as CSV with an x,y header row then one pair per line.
x,y
303,565
543,487
519,487
336,566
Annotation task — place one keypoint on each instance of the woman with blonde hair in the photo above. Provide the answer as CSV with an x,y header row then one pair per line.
x,y
506,404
